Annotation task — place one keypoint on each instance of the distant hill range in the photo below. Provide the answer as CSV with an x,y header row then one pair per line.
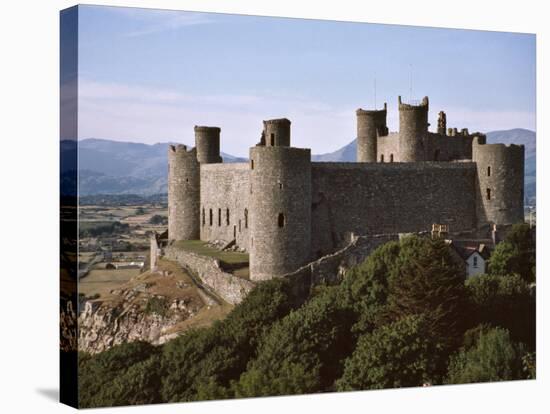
x,y
114,167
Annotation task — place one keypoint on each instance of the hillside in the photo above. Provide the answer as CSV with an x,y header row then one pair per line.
x,y
113,167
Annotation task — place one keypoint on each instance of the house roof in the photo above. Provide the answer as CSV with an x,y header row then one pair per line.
x,y
466,248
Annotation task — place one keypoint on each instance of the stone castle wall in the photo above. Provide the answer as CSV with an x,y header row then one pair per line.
x,y
225,190
331,268
230,288
388,148
435,147
389,198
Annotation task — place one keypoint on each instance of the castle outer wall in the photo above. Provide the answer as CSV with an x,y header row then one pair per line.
x,y
224,194
389,198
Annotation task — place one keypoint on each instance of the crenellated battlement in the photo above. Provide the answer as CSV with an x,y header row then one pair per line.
x,y
423,105
183,150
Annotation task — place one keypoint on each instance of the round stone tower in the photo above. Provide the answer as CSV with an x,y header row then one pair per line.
x,y
500,170
207,142
413,128
183,193
280,202
371,124
277,132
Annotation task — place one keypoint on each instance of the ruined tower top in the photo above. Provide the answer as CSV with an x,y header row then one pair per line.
x,y
276,132
371,124
442,123
207,142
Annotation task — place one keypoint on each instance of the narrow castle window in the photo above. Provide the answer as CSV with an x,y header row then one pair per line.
x,y
211,217
245,218
281,220
219,217
488,194
251,164
391,157
436,155
203,217
227,216
382,158
272,139
489,171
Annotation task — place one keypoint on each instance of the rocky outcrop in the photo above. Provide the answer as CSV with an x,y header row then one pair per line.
x,y
105,324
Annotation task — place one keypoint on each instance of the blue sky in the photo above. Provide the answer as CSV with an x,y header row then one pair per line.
x,y
150,76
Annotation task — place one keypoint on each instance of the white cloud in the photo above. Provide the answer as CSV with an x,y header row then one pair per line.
x,y
144,114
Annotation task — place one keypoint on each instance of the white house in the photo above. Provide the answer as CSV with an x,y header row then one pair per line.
x,y
473,254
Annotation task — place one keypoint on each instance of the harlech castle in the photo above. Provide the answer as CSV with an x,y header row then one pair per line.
x,y
286,210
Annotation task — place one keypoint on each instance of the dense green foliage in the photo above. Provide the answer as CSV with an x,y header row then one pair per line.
x,y
303,352
516,253
494,357
205,362
504,301
125,374
403,317
427,281
399,354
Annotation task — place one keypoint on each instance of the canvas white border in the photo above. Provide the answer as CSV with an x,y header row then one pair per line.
x,y
29,129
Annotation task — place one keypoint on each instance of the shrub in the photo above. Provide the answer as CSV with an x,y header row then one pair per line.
x,y
504,301
365,287
516,253
399,354
109,377
494,358
204,362
303,352
156,304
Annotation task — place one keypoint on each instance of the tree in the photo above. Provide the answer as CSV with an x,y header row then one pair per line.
x,y
504,301
365,287
303,352
124,374
399,354
516,253
495,357
203,363
426,280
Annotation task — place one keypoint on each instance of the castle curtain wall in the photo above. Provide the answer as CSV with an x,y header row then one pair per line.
x,y
225,187
388,198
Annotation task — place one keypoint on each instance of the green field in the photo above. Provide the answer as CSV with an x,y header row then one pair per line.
x,y
235,262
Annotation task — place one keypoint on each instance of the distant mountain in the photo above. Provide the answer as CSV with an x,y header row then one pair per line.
x,y
114,167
